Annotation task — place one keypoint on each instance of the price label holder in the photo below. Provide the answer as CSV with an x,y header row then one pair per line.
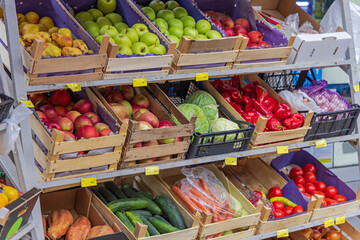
x,y
75,87
282,233
202,77
28,103
329,222
282,149
356,88
231,161
139,82
340,220
321,143
152,170
88,182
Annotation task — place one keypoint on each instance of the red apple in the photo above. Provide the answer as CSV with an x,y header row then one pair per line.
x,y
118,109
105,90
212,15
37,97
144,125
52,124
113,97
137,113
263,44
56,119
217,23
66,124
72,115
105,132
93,116
229,32
82,121
164,124
70,106
135,109
150,118
68,135
87,132
48,110
127,92
148,144
39,104
244,23
253,45
238,29
178,139
137,145
227,22
255,36
41,115
140,100
60,110
127,107
101,126
60,97
83,106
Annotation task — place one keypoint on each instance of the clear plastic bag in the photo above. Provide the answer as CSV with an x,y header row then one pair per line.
x,y
299,100
292,26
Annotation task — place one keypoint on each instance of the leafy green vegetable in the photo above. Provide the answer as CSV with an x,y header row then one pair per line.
x,y
201,124
223,124
201,98
211,112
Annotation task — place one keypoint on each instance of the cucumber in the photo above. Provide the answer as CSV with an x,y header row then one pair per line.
x,y
128,186
152,207
128,204
143,213
144,195
107,194
125,220
96,192
111,186
135,219
170,211
161,219
129,192
152,230
161,226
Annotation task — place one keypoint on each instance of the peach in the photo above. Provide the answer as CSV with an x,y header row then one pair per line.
x,y
32,17
139,112
60,110
105,132
79,44
118,109
127,107
140,100
150,118
41,115
93,116
66,124
82,121
29,28
67,51
72,115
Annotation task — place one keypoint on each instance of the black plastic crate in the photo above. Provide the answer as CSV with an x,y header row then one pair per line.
x,y
5,106
203,144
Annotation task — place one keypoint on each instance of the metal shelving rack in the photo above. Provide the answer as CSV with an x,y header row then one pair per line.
x,y
21,169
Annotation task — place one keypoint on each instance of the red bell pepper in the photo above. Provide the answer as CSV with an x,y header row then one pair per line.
x,y
235,82
274,125
251,117
244,100
249,107
282,111
261,93
219,85
237,108
249,90
261,109
295,121
235,95
270,103
226,96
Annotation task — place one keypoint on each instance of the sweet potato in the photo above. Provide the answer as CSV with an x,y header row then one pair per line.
x,y
79,229
98,231
59,222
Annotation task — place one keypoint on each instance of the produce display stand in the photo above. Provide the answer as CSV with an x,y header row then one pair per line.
x,y
23,173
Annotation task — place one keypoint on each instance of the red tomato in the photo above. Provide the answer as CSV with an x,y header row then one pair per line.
x,y
278,205
296,171
330,191
320,193
258,194
274,192
309,168
310,177
288,210
308,196
323,204
301,188
340,198
320,186
299,180
310,188
298,209
330,201
278,213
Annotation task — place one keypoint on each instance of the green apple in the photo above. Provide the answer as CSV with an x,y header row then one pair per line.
x,y
111,30
96,13
157,5
157,49
176,31
98,39
161,23
149,12
171,5
190,32
164,31
149,39
140,48
140,29
203,26
72,11
92,28
84,17
102,21
173,38
120,26
132,34
122,39
200,37
212,34
175,23
188,21
180,12
167,15
114,17
106,6
124,50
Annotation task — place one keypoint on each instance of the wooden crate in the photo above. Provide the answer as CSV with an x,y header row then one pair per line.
x,y
176,150
168,179
154,188
259,138
55,146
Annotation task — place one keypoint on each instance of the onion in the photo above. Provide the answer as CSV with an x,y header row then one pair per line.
x,y
333,235
316,235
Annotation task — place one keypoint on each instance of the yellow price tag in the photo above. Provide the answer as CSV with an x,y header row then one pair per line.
x,y
75,87
231,161
28,103
202,77
356,88
320,143
152,170
340,220
139,82
88,182
282,233
282,149
329,222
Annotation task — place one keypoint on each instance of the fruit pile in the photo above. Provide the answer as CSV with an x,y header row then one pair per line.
x,y
7,195
58,41
239,27
136,39
59,112
306,182
174,22
252,101
132,206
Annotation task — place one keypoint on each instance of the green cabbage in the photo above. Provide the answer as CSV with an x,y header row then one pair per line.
x,y
211,112
201,124
201,98
220,125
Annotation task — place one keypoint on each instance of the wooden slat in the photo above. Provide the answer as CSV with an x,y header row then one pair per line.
x,y
187,234
268,137
261,54
67,64
206,58
259,64
197,70
65,79
284,143
271,226
40,156
223,44
138,63
335,210
109,76
41,133
350,230
238,235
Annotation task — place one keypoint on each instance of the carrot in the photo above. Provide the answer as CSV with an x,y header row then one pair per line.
x,y
186,199
230,214
201,205
215,213
202,196
203,185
